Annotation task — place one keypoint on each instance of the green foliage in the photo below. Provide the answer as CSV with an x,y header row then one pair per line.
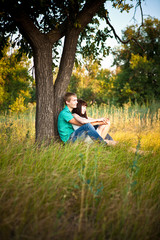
x,y
138,78
122,5
91,83
92,41
15,81
18,105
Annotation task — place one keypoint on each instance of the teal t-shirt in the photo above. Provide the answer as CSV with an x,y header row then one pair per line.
x,y
65,128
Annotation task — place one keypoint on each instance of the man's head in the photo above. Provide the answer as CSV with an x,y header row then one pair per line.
x,y
70,100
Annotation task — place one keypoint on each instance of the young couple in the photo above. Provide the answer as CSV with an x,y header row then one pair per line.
x,y
73,123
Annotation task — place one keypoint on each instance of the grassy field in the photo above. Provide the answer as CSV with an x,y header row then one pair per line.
x,y
81,191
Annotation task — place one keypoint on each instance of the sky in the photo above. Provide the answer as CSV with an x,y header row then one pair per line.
x,y
121,20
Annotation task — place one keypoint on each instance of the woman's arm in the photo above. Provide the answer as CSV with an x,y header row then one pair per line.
x,y
106,122
86,120
98,123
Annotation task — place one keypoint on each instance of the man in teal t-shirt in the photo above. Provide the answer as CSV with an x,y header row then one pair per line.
x,y
65,129
65,118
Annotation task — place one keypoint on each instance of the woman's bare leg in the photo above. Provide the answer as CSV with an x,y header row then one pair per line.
x,y
103,130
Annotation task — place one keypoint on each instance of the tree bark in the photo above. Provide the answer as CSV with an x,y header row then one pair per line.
x,y
44,92
65,71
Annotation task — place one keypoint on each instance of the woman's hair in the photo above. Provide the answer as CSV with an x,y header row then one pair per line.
x,y
78,109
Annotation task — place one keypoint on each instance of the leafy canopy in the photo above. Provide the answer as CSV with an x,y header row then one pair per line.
x,y
53,15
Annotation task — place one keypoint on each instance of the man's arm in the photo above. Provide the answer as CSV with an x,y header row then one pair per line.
x,y
75,122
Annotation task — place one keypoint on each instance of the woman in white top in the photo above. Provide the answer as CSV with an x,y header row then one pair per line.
x,y
101,125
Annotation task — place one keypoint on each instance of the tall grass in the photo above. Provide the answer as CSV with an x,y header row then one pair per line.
x,y
130,123
80,191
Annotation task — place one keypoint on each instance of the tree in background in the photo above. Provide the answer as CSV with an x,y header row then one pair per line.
x,y
92,83
139,71
105,83
88,86
42,23
15,81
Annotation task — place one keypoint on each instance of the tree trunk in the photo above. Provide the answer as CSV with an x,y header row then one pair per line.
x,y
49,98
65,71
44,92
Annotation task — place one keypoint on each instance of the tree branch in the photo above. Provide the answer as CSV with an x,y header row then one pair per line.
x,y
83,18
88,11
57,33
27,28
139,5
32,33
117,37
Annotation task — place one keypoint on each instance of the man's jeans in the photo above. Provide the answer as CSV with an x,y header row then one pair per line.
x,y
86,130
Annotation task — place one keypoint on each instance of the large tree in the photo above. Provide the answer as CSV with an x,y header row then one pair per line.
x,y
42,23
